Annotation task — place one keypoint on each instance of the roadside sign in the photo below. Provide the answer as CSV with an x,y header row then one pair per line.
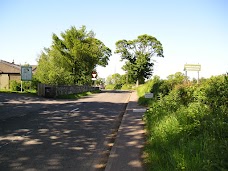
x,y
192,67
26,73
94,75
149,95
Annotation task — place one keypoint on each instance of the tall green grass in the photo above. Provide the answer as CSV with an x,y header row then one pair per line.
x,y
142,90
188,128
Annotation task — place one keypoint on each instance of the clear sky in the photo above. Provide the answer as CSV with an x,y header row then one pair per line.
x,y
191,31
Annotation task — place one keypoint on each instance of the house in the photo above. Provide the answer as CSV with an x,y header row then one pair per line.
x,y
10,71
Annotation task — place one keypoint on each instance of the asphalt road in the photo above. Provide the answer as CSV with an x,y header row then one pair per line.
x,y
48,134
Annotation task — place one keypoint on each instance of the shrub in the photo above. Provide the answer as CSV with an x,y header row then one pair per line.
x,y
127,87
15,86
110,87
117,86
34,83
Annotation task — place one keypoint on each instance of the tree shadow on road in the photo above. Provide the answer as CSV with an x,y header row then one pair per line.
x,y
59,136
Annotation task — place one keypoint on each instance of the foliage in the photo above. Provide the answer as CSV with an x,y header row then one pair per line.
x,y
160,87
72,58
15,85
117,81
142,90
138,55
100,81
114,79
27,87
34,83
110,87
127,87
187,128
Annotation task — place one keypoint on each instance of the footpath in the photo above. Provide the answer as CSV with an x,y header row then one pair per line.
x,y
127,151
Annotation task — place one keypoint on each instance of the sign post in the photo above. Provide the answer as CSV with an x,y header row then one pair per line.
x,y
192,67
26,74
94,75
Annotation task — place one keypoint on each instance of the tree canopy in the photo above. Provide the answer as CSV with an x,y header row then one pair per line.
x,y
72,57
138,55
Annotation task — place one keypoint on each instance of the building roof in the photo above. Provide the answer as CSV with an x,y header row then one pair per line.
x,y
11,67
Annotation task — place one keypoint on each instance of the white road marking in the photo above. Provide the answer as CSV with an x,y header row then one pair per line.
x,y
74,110
4,145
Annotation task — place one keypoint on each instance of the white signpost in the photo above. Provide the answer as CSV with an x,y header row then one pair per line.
x,y
26,74
192,67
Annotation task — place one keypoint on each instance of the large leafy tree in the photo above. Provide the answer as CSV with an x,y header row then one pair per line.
x,y
138,55
72,57
50,71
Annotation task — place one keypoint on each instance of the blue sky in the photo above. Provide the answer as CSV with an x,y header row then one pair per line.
x,y
191,31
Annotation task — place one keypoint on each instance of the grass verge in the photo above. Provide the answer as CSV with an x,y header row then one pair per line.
x,y
32,92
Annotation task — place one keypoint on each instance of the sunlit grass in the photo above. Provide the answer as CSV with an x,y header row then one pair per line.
x,y
19,92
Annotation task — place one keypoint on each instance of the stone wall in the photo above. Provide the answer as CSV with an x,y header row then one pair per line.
x,y
53,91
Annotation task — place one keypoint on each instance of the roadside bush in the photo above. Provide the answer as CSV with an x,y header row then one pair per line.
x,y
127,87
34,83
117,86
187,129
157,86
27,86
110,87
15,86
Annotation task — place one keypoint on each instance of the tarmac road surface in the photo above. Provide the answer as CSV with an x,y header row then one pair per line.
x,y
48,134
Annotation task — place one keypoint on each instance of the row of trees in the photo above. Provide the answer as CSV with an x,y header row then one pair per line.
x,y
117,81
75,55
